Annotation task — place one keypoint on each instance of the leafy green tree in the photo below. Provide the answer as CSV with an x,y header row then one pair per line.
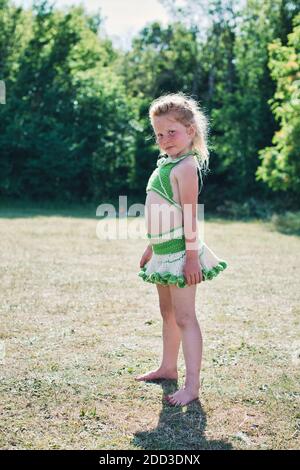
x,y
66,133
75,124
243,122
280,166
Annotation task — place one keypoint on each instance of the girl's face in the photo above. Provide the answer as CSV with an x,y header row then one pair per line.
x,y
172,137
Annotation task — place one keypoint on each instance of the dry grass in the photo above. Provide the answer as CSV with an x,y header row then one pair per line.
x,y
78,325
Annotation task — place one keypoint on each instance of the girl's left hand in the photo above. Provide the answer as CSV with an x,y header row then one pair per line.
x,y
192,271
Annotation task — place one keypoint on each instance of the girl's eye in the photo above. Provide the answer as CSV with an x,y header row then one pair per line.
x,y
160,136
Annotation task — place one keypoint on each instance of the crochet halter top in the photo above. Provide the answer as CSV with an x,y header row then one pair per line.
x,y
160,182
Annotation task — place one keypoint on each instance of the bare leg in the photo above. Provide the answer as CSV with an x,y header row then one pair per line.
x,y
184,307
171,339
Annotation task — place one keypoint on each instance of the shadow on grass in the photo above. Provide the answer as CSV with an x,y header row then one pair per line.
x,y
179,427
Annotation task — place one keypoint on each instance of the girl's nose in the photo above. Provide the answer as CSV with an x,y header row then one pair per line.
x,y
163,140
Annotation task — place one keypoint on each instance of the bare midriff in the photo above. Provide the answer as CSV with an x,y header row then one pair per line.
x,y
161,216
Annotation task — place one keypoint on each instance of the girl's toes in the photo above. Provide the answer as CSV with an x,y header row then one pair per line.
x,y
173,401
169,399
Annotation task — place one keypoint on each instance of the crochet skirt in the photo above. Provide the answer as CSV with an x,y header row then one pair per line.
x,y
167,262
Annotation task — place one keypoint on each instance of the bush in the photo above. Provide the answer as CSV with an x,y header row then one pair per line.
x,y
287,223
247,209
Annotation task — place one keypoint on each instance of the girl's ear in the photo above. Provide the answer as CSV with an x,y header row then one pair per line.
x,y
191,130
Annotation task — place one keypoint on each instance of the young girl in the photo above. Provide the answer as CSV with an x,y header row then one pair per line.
x,y
175,259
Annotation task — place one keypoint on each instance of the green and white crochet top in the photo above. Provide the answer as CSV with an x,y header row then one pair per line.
x,y
160,182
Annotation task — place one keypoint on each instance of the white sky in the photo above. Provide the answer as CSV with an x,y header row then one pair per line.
x,y
123,18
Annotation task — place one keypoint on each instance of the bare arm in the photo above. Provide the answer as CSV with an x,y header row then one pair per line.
x,y
188,190
146,256
187,179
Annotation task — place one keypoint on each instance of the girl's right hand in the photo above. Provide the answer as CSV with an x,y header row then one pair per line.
x,y
146,256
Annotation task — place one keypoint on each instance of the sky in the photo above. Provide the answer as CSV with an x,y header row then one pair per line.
x,y
122,18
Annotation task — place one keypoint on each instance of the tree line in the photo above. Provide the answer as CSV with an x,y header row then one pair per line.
x,y
75,123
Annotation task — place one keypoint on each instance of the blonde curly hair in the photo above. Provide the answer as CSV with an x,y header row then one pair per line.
x,y
187,111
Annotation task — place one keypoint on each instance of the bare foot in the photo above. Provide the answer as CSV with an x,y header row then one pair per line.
x,y
158,374
182,396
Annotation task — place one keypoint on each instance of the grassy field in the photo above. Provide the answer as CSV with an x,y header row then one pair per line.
x,y
78,325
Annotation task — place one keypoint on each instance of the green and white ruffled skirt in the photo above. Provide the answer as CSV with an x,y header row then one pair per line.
x,y
167,262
